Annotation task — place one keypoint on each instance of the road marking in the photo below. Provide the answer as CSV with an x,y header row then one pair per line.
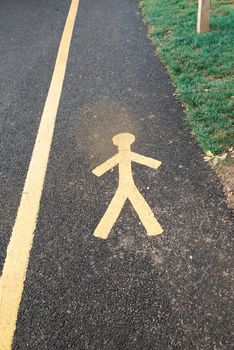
x,y
127,188
16,262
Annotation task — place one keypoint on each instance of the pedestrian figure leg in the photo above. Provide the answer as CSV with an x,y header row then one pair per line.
x,y
111,215
145,214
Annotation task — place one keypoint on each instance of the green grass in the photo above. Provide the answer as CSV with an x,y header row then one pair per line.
x,y
201,65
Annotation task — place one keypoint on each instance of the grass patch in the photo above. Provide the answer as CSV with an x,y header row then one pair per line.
x,y
201,65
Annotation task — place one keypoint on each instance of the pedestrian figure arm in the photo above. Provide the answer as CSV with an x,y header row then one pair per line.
x,y
150,162
104,167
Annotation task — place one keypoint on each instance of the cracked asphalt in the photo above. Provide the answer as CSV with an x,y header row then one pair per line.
x,y
131,291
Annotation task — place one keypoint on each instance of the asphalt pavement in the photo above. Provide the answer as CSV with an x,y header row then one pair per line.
x,y
130,291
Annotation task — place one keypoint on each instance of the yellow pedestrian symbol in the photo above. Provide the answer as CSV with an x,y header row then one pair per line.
x,y
127,188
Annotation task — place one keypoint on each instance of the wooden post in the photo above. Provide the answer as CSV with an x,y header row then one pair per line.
x,y
203,17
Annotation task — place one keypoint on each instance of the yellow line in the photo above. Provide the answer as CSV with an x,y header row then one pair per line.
x,y
16,263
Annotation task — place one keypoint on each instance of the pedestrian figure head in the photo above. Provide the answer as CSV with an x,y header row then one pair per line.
x,y
123,141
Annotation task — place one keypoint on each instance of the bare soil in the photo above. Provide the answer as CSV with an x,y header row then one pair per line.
x,y
226,176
